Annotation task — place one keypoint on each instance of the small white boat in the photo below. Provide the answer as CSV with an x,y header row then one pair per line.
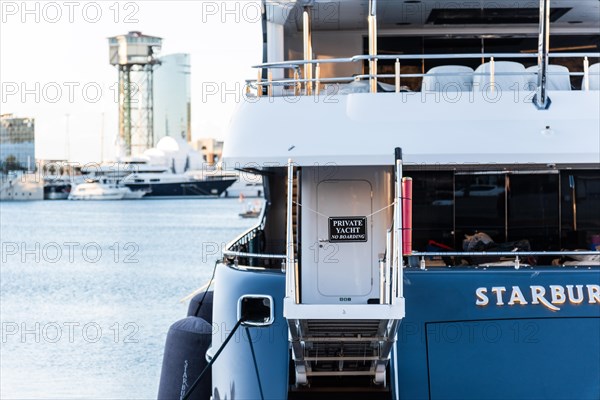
x,y
95,190
251,210
251,213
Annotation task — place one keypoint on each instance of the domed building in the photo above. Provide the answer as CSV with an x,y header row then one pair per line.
x,y
175,154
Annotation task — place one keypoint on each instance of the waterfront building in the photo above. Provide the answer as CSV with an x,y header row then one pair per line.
x,y
17,143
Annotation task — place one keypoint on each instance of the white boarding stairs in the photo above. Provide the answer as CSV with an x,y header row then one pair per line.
x,y
346,339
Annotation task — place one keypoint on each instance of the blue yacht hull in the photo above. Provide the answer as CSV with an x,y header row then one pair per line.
x,y
448,347
205,188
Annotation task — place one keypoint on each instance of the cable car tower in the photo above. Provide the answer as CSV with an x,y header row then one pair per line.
x,y
135,56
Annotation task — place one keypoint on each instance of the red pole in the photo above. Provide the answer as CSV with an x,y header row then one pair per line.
x,y
407,193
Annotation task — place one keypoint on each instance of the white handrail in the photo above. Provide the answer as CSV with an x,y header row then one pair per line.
x,y
383,284
398,285
397,260
388,264
290,270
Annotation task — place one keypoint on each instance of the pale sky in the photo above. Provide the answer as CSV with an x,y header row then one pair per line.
x,y
54,57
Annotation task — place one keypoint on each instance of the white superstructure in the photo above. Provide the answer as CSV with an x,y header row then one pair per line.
x,y
432,129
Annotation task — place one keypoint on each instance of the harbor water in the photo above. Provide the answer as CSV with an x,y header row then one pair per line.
x,y
89,290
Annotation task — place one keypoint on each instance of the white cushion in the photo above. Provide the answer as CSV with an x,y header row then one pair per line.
x,y
557,79
364,87
355,87
515,78
448,78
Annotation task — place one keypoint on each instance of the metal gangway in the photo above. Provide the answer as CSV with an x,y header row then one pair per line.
x,y
345,339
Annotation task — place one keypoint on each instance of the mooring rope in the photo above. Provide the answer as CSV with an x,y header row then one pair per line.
x,y
262,396
208,367
327,216
207,287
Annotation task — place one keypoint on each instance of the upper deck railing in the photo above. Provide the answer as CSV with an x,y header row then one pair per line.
x,y
300,85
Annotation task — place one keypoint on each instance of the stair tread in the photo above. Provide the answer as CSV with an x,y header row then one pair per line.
x,y
345,389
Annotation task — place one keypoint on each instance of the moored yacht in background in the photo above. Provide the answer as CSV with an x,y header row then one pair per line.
x,y
170,170
57,189
159,181
103,189
178,185
432,185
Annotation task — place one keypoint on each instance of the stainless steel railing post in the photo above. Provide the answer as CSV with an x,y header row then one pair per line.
x,y
541,97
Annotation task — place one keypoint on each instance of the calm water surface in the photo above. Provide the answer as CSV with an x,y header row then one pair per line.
x,y
88,290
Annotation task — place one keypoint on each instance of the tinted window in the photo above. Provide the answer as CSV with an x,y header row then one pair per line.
x,y
533,210
480,206
551,211
580,197
433,206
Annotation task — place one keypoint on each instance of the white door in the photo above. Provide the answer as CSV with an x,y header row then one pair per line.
x,y
345,249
